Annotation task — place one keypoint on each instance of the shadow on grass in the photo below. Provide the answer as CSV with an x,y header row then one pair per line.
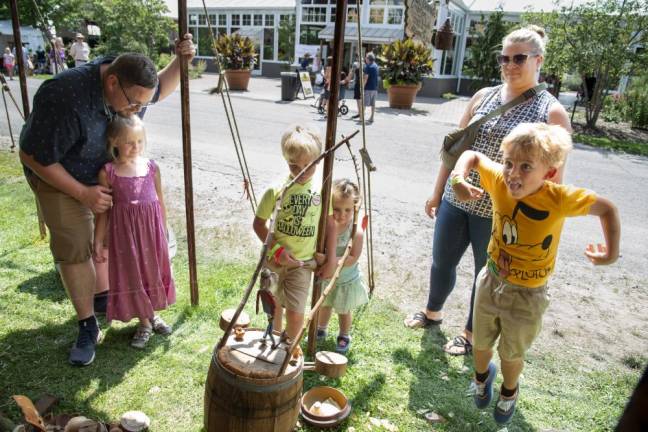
x,y
441,387
45,286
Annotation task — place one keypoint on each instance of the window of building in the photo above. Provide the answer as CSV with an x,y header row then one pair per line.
x,y
376,15
332,14
395,16
222,20
236,20
321,2
352,14
213,19
202,20
314,14
193,19
269,20
284,19
258,20
247,19
268,44
448,64
204,42
309,34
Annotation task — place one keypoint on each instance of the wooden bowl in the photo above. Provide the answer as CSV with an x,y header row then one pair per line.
x,y
320,394
227,315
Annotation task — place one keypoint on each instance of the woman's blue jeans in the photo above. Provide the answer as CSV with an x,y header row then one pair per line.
x,y
454,230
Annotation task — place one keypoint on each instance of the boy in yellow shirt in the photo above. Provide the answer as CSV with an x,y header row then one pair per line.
x,y
296,227
528,216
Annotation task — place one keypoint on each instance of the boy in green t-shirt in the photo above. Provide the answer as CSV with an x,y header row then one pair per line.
x,y
528,215
295,236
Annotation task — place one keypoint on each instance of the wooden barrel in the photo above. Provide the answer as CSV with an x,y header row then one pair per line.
x,y
243,392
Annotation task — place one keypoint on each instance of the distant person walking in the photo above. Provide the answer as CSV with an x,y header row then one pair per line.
x,y
80,50
370,80
57,56
8,62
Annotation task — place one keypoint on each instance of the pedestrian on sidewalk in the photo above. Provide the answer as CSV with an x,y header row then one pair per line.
x,y
80,50
8,62
370,78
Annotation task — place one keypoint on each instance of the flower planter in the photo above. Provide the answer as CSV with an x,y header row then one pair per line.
x,y
238,79
402,96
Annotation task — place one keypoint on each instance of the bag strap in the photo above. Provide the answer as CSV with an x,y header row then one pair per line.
x,y
507,106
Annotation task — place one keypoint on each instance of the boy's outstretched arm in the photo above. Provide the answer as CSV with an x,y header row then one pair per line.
x,y
468,161
611,224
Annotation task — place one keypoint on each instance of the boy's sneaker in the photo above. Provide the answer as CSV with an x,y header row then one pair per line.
x,y
83,351
141,337
483,392
505,407
160,327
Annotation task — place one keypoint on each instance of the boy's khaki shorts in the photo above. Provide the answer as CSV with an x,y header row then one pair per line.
x,y
292,287
71,224
512,312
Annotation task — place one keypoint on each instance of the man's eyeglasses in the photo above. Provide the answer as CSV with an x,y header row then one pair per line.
x,y
518,59
133,105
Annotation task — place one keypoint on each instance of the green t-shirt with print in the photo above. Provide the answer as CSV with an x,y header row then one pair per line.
x,y
297,220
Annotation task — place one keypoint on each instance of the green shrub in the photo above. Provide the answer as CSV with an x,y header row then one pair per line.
x,y
196,71
571,82
404,62
637,102
614,109
162,61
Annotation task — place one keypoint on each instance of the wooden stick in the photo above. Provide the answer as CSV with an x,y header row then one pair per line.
x,y
331,126
270,236
186,153
312,316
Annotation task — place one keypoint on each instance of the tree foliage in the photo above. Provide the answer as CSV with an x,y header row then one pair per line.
x,y
596,40
481,63
132,26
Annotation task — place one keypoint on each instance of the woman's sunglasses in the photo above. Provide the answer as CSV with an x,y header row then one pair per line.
x,y
518,59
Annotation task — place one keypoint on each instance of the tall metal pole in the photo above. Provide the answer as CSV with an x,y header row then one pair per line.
x,y
19,54
331,128
186,151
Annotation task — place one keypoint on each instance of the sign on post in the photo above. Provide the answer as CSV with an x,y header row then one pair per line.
x,y
307,88
419,20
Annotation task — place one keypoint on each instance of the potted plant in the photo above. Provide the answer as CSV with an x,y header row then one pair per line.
x,y
403,64
237,56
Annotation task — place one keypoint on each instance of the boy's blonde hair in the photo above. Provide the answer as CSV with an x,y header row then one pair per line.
x,y
297,141
345,188
540,141
117,128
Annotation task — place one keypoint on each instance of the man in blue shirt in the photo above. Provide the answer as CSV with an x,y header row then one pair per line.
x,y
63,147
370,83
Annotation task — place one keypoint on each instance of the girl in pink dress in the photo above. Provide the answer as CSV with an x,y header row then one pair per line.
x,y
134,231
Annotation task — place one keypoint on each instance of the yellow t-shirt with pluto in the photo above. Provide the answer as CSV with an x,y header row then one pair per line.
x,y
525,234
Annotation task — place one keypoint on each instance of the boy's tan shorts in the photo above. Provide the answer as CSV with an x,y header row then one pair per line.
x,y
71,224
292,287
512,312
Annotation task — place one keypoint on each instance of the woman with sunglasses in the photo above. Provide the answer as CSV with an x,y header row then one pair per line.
x,y
459,224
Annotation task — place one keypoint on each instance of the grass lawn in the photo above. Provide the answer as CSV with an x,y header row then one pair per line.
x,y
627,146
394,374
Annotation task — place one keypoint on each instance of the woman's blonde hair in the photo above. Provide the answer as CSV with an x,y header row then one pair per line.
x,y
345,188
548,143
531,35
117,129
297,141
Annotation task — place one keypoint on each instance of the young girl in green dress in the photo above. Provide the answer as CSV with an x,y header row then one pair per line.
x,y
350,290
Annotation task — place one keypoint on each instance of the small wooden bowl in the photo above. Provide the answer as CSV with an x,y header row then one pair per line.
x,y
320,394
327,363
228,314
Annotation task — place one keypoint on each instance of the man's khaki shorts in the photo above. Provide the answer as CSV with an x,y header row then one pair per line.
x,y
71,224
292,287
512,312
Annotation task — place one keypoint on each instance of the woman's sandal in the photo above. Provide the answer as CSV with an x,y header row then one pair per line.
x,y
420,320
343,344
461,345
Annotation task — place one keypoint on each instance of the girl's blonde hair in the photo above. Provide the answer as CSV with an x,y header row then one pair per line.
x,y
345,188
117,128
531,35
548,143
297,141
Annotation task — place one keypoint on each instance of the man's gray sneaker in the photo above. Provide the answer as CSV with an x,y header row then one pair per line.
x,y
83,351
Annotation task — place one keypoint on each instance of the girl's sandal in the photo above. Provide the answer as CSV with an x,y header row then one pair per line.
x,y
343,344
420,320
